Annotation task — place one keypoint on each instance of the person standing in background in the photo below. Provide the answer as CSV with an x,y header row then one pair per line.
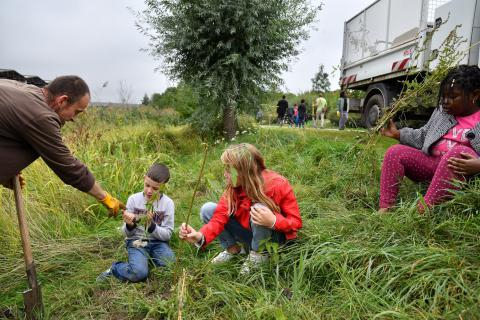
x,y
343,107
290,116
302,113
322,109
282,106
295,115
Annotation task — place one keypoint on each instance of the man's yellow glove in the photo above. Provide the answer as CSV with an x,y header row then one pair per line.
x,y
338,114
112,204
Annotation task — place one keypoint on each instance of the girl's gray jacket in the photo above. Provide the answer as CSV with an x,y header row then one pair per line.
x,y
437,126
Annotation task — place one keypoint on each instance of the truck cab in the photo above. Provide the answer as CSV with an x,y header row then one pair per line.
x,y
393,40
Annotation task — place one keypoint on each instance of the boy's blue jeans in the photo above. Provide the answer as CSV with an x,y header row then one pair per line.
x,y
234,232
136,269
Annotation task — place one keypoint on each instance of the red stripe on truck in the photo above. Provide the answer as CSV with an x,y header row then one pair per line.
x,y
349,79
400,65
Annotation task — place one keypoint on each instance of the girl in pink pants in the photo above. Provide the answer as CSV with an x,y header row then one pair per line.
x,y
446,148
406,161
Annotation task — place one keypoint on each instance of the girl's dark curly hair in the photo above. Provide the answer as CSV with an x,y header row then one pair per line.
x,y
464,77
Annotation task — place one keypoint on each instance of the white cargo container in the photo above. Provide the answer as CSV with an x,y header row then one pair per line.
x,y
380,43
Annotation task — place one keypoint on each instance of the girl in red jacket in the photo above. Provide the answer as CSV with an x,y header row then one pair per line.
x,y
258,204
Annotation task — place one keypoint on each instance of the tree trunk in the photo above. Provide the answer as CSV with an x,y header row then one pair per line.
x,y
229,121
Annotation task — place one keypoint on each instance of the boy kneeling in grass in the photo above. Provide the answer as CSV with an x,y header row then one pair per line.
x,y
148,225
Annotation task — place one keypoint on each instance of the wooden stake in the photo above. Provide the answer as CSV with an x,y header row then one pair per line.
x,y
181,293
197,184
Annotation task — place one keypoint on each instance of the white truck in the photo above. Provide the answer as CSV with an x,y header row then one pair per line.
x,y
380,43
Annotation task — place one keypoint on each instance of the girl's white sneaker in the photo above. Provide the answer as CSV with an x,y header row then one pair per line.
x,y
253,260
225,256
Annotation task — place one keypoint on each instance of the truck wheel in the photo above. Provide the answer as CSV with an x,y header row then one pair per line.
x,y
373,110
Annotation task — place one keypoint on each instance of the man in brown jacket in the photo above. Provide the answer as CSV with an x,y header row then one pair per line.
x,y
30,122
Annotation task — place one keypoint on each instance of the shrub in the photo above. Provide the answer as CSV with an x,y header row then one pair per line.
x,y
246,124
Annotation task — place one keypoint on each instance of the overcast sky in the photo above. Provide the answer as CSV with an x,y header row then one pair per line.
x,y
98,41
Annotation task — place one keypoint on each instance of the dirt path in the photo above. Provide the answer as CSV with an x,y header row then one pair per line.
x,y
314,129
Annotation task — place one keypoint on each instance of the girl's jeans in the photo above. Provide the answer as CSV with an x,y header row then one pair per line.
x,y
401,160
136,269
234,232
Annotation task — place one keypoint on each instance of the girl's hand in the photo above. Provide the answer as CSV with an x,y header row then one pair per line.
x,y
467,165
187,233
391,131
128,218
262,216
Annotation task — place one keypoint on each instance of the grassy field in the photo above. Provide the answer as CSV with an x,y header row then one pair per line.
x,y
348,263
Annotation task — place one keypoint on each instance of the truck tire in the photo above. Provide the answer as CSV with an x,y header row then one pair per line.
x,y
373,110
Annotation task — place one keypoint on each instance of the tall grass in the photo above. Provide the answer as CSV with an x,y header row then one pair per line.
x,y
348,262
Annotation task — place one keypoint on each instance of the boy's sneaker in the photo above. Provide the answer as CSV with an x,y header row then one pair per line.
x,y
253,260
225,256
105,275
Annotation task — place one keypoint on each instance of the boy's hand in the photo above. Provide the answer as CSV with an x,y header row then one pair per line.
x,y
467,165
128,218
391,131
150,216
187,233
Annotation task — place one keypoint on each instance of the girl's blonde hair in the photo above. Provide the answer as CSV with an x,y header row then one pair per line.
x,y
249,164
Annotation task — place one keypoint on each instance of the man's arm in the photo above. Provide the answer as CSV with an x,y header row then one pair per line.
x,y
97,192
45,138
112,204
